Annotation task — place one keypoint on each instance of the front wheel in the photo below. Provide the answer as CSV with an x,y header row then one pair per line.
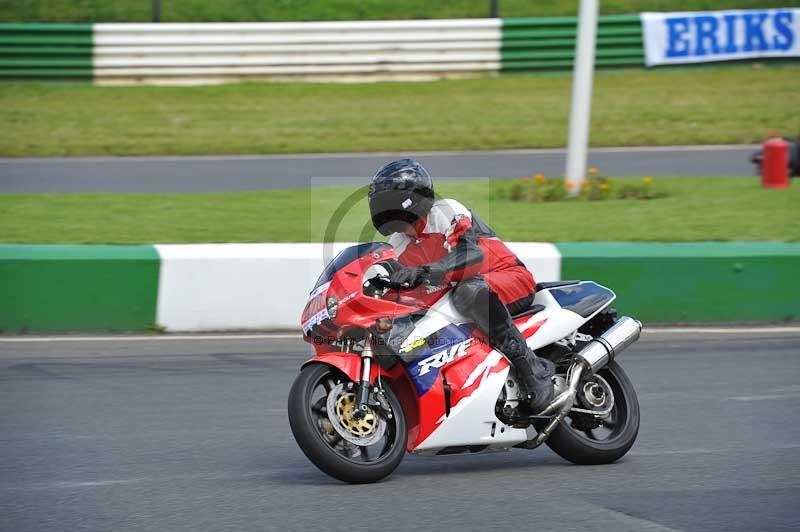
x,y
354,450
588,439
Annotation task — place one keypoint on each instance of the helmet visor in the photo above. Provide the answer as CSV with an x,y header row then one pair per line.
x,y
392,212
388,222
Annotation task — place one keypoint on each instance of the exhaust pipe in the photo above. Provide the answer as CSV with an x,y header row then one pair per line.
x,y
602,350
599,352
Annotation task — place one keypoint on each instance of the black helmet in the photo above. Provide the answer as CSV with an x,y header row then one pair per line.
x,y
400,193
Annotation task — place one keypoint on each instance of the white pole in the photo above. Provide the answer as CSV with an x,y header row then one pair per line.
x,y
581,111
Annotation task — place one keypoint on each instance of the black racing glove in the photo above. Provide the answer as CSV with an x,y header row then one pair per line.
x,y
412,276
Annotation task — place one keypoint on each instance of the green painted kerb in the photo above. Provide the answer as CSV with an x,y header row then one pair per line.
x,y
46,51
77,288
693,282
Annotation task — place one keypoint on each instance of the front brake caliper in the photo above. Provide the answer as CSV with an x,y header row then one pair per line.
x,y
379,400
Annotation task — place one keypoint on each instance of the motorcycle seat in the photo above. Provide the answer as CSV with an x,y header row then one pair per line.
x,y
528,311
554,284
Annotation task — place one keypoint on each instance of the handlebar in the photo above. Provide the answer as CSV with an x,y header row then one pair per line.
x,y
382,281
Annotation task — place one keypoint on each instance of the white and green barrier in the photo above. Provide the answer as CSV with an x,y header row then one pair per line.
x,y
213,287
194,53
166,53
224,52
261,286
192,287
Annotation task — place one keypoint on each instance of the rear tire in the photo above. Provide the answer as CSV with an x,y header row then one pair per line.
x,y
580,448
321,452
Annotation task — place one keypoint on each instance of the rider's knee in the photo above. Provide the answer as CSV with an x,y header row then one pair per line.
x,y
466,293
460,297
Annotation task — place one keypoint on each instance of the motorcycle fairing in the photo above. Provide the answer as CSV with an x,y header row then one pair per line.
x,y
475,382
349,364
561,320
458,407
585,298
434,352
458,381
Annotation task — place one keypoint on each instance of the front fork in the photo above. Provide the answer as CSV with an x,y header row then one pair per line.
x,y
362,394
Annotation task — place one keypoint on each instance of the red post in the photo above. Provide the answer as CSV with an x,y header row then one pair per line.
x,y
775,165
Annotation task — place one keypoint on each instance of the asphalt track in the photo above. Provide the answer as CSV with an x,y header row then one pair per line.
x,y
231,173
192,435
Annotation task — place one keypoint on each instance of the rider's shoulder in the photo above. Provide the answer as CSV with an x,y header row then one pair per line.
x,y
444,213
397,240
450,207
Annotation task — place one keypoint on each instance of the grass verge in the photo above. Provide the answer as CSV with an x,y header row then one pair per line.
x,y
631,108
696,209
278,10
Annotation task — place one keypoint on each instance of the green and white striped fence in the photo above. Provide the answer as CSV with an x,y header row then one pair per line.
x,y
212,287
531,44
46,51
328,51
198,53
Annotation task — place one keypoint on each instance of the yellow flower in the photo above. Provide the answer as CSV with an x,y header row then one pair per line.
x,y
584,182
570,185
604,186
592,170
647,180
539,177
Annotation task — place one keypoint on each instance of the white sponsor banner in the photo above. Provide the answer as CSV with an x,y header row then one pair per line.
x,y
703,36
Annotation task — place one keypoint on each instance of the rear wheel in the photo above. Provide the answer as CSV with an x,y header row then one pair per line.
x,y
588,439
355,450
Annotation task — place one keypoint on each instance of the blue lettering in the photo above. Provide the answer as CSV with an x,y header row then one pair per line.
x,y
730,34
706,31
783,26
678,45
754,39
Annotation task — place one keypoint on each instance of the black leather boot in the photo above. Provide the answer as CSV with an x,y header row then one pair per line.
x,y
535,372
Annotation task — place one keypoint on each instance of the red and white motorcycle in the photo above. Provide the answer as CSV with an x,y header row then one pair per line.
x,y
400,370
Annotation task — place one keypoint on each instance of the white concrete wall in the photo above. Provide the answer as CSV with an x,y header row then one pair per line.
x,y
214,287
220,52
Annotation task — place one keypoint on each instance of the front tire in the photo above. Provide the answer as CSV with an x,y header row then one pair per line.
x,y
608,442
325,448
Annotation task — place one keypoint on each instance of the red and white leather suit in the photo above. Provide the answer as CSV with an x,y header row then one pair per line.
x,y
437,235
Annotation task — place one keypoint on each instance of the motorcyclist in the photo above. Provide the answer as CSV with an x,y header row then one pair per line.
x,y
441,241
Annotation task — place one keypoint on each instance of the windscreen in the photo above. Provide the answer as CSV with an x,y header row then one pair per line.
x,y
346,256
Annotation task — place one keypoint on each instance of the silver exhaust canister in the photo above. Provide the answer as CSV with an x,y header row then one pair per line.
x,y
602,350
597,353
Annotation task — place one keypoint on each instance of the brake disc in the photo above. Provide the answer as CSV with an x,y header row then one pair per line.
x,y
362,431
